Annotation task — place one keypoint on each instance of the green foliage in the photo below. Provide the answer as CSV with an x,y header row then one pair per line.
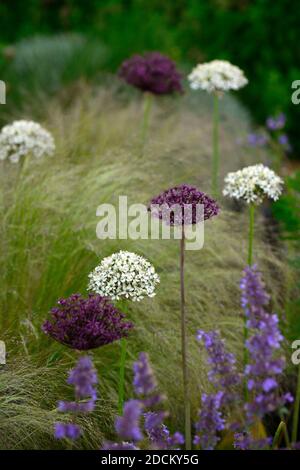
x,y
287,208
260,36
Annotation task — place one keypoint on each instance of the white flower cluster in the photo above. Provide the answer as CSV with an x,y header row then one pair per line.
x,y
253,183
124,275
23,138
217,76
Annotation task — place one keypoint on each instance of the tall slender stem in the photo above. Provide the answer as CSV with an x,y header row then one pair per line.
x,y
184,352
147,110
296,410
250,256
251,234
216,157
123,343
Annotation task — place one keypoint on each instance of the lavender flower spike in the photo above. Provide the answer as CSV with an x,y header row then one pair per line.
x,y
210,421
127,426
264,363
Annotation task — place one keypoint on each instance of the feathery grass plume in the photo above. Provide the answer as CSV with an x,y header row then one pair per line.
x,y
25,138
188,199
84,378
154,74
85,324
216,77
124,275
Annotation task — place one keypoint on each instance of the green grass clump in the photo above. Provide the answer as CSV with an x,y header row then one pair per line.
x,y
49,245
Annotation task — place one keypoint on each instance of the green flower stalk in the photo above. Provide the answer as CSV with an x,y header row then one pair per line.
x,y
187,206
252,184
216,77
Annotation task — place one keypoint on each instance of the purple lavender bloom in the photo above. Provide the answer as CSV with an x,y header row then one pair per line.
x,y
257,140
210,421
223,373
66,431
264,365
152,72
127,426
275,123
83,377
243,441
181,205
284,141
119,446
84,324
144,381
158,433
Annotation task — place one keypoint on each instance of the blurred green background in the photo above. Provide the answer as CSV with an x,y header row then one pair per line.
x,y
261,36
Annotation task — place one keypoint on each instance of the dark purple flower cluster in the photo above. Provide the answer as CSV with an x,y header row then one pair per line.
x,y
84,324
83,377
152,72
183,205
264,364
222,373
210,421
128,426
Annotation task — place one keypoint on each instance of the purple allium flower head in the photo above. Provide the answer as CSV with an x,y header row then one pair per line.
x,y
66,431
127,426
223,373
183,205
264,363
152,72
84,324
275,123
210,421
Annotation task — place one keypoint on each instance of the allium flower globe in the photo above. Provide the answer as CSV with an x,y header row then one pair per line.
x,y
217,76
187,198
22,138
152,72
84,324
124,275
252,184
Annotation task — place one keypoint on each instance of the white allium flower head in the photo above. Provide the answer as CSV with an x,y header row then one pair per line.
x,y
217,76
21,138
253,183
124,275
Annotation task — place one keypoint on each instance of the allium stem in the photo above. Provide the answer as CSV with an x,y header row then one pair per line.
x,y
251,233
250,256
187,411
216,157
123,344
148,98
296,410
